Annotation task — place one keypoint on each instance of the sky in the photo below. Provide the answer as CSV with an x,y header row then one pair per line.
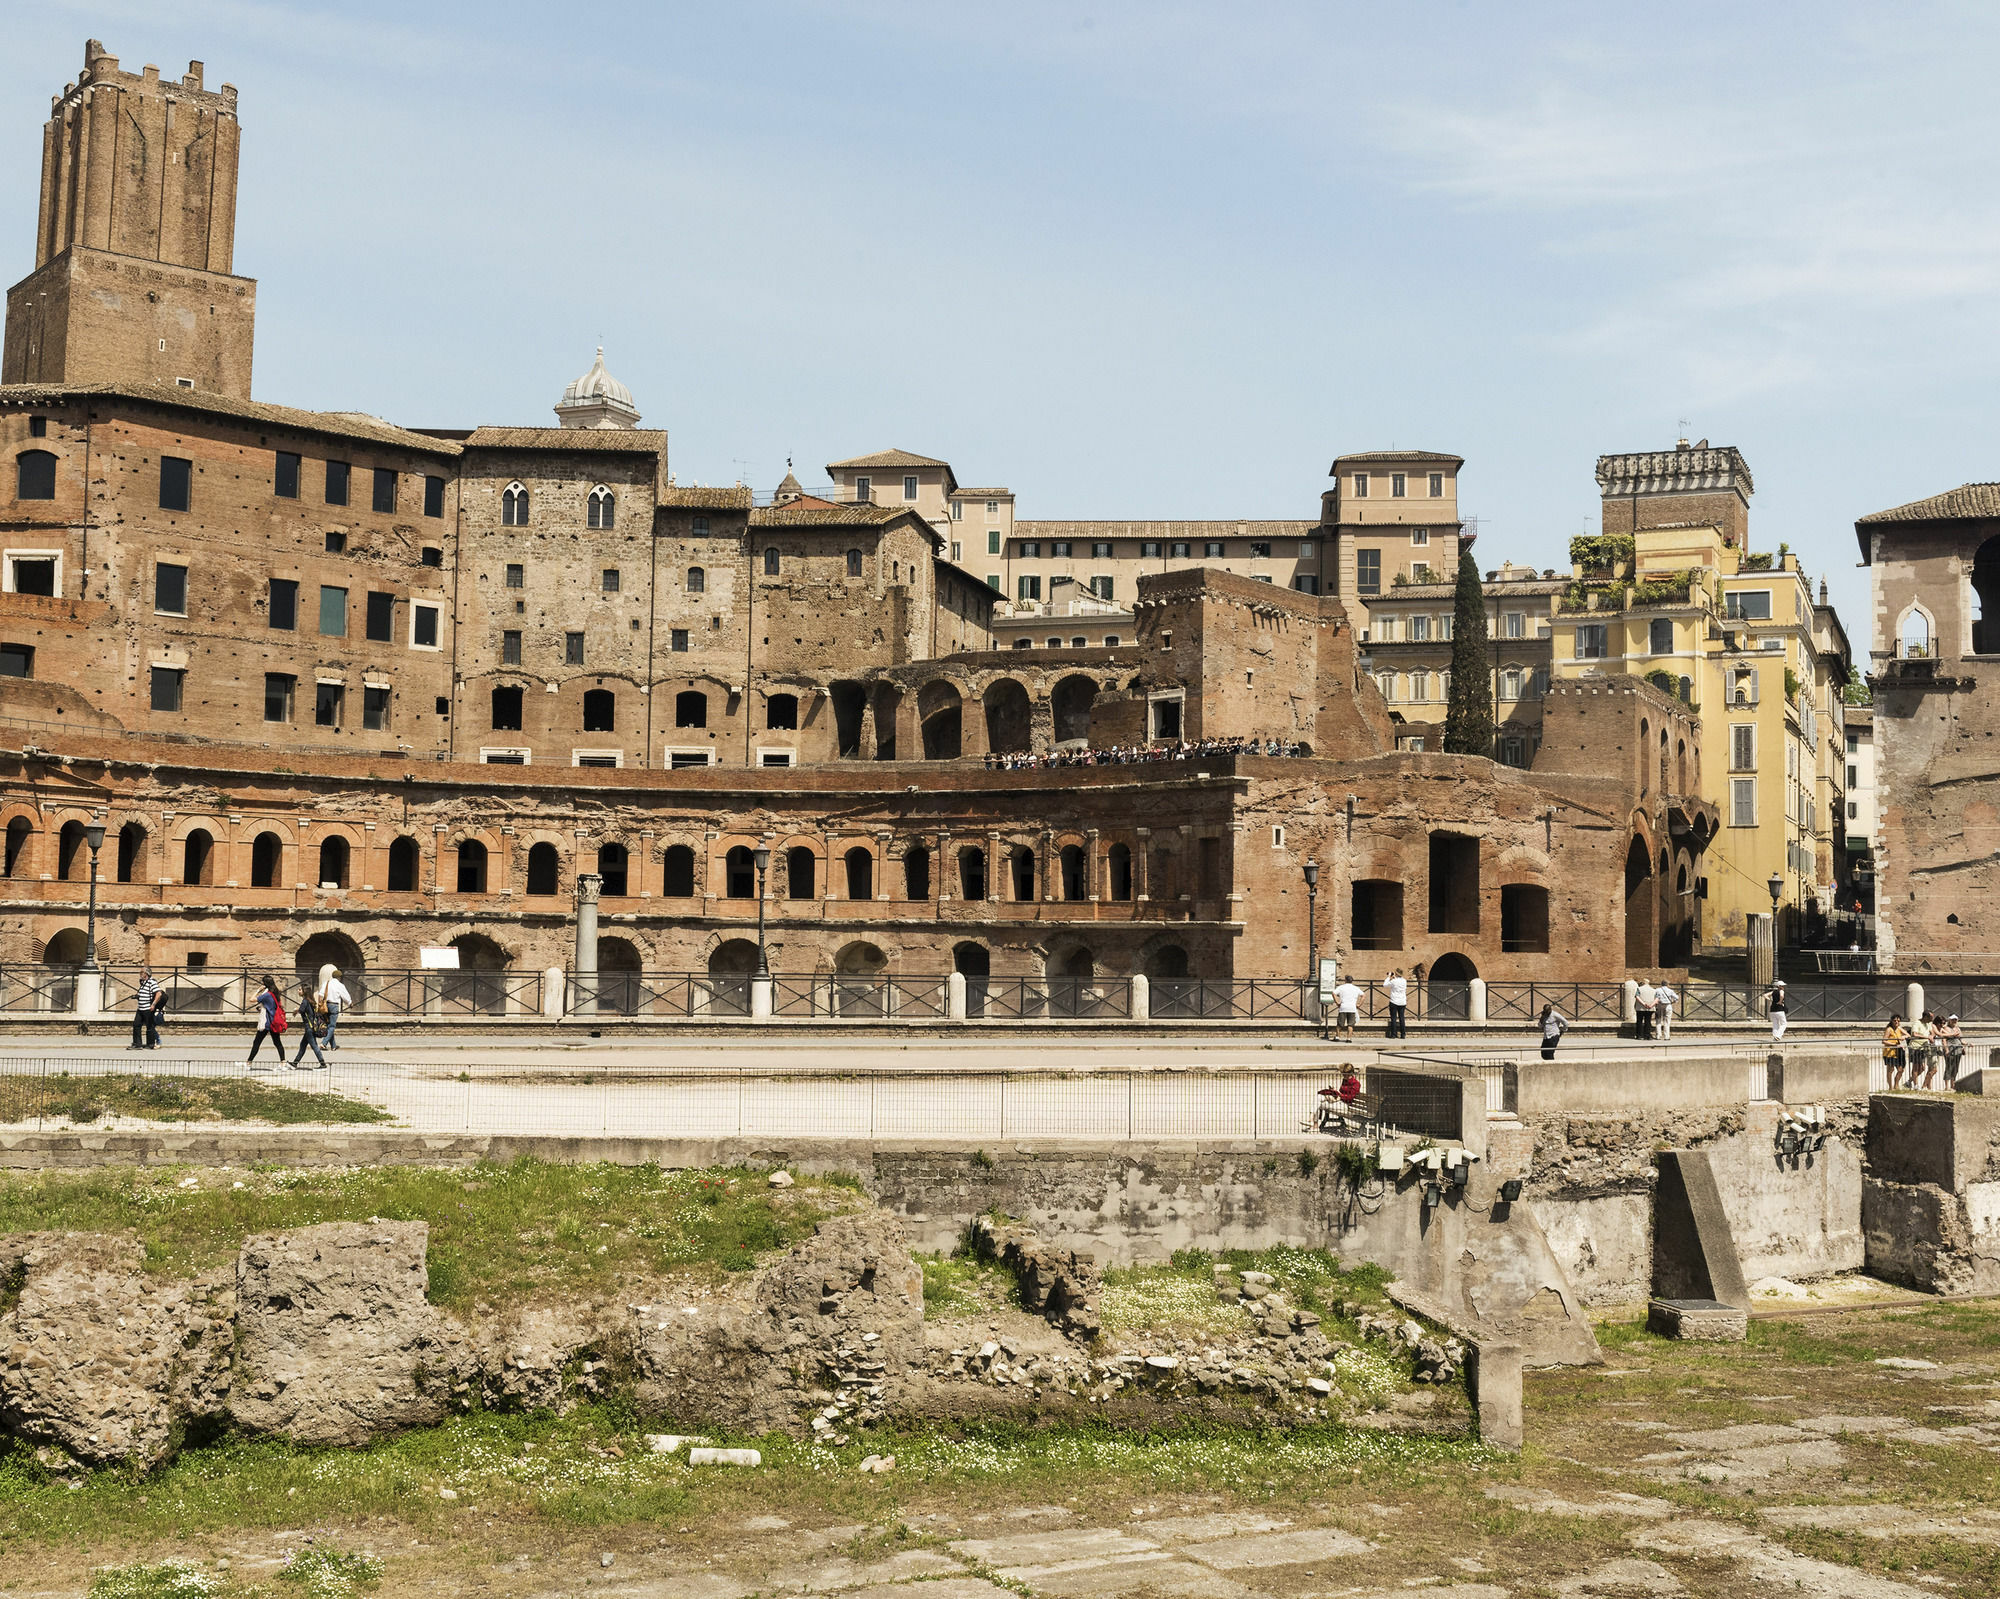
x,y
1149,260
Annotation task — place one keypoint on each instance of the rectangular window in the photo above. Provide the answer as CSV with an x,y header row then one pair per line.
x,y
1361,485
611,580
328,700
1100,552
1385,629
278,687
1030,548
572,649
382,617
679,643
176,483
336,544
374,709
1660,636
1180,550
993,582
1743,748
1306,583
1591,640
1101,587
1368,571
1397,485
1260,549
284,603
332,612
32,574
1743,802
1437,485
958,510
167,688
516,575
424,627
1444,624
385,489
1420,629
1148,550
909,488
433,496
993,541
1748,605
1853,742
774,757
992,507
285,479
1060,548
336,482
1212,548
1420,573
170,589
1514,624
431,555
510,648
38,427
17,660
1853,775
1028,587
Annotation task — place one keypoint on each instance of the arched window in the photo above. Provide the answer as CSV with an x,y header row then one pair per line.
x,y
196,853
506,710
601,507
544,869
403,866
1021,863
917,873
34,475
679,880
333,861
611,865
739,873
1075,879
267,861
69,845
131,853
860,873
771,562
600,710
853,563
1913,639
514,506
781,710
18,832
691,708
971,872
800,869
1118,867
697,580
471,867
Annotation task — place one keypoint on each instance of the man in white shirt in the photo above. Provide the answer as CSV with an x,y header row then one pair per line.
x,y
1664,1000
336,997
1643,1015
1346,1007
1399,1005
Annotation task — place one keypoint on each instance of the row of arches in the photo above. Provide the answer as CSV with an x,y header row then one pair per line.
x,y
866,718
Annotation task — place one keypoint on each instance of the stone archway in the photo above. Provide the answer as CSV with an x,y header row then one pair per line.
x,y
859,986
619,964
478,984
1448,989
1009,718
940,709
731,966
329,948
1070,708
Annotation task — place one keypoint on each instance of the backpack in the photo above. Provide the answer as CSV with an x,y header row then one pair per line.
x,y
277,1017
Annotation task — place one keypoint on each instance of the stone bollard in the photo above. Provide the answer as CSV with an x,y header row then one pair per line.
x,y
1142,998
90,992
1477,1003
760,999
1913,1000
1628,1002
1493,1371
954,997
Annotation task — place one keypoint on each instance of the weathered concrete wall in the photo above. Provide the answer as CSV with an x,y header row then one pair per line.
x,y
1930,1209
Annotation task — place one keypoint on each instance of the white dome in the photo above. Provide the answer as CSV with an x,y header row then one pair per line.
x,y
597,399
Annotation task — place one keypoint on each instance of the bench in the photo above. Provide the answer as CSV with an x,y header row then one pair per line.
x,y
1363,1116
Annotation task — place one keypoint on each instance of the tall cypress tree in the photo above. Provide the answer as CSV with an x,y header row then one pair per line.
x,y
1468,716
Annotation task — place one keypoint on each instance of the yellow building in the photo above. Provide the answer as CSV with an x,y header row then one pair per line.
x,y
1671,591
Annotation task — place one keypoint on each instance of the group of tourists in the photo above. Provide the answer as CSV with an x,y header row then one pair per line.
x,y
1918,1048
1137,754
319,1020
1347,1006
1655,1012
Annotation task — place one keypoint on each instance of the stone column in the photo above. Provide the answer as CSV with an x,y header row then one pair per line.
x,y
954,997
1093,866
1142,863
1761,951
1478,1002
1142,997
587,886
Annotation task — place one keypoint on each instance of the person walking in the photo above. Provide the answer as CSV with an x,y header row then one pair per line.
x,y
270,1022
311,1014
1553,1028
1892,1048
1664,1000
1346,1008
1399,1005
146,1015
1643,1014
1774,1005
337,998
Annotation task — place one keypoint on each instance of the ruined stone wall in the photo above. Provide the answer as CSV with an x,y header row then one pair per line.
x,y
92,317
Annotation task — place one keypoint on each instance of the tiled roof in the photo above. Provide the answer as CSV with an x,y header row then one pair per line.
x,y
1216,528
1494,588
645,441
1394,455
341,424
984,494
859,515
887,458
1966,502
695,497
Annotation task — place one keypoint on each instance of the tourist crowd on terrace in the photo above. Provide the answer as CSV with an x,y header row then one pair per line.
x,y
1136,754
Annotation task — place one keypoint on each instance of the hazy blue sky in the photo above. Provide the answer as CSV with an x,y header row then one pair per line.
x,y
1130,260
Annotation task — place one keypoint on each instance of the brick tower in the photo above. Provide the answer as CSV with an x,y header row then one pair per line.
x,y
133,245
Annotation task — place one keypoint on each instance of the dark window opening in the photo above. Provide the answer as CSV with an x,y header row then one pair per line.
x,y
971,872
278,687
1454,883
38,427
433,496
1376,915
35,575
336,482
167,681
514,507
739,874
17,660
176,483
600,711
69,845
170,589
197,851
853,563
336,544
35,475
328,703
381,617
333,862
1075,880
697,580
424,626
801,867
384,498
602,508
403,866
285,477
572,649
1524,919
471,867
691,708
782,711
678,883
507,709
131,853
510,648
284,604
1166,720
1021,868
1118,868
771,563
917,873
374,709
1368,571
850,703
1986,590
860,873
612,866
267,861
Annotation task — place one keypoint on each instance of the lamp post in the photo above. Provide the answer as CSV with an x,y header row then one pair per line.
x,y
1312,920
93,835
1776,884
762,857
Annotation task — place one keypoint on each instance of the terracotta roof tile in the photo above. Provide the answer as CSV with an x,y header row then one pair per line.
x,y
340,424
646,441
887,458
1969,501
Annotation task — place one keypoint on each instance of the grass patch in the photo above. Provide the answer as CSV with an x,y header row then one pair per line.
x,y
499,1234
84,1100
1180,1296
322,1573
170,1579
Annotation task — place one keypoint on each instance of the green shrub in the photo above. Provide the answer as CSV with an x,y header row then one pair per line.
x,y
170,1579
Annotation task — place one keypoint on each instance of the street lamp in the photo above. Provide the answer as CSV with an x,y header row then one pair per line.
x,y
1312,908
762,857
1776,884
93,835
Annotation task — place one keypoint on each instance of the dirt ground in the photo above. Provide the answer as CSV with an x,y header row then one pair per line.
x,y
1854,1455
